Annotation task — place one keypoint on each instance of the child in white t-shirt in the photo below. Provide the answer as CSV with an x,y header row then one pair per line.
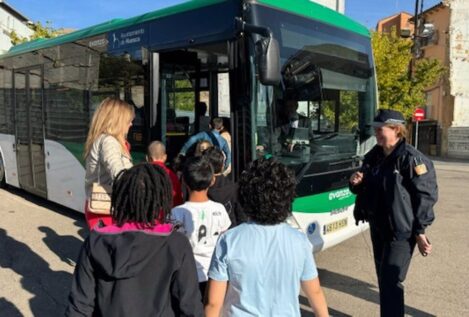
x,y
202,220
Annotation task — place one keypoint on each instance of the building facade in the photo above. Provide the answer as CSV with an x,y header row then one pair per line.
x,y
401,21
447,102
438,100
458,133
11,20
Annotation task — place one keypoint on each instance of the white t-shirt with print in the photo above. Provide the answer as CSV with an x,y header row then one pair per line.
x,y
202,223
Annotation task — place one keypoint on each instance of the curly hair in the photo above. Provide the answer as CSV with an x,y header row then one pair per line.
x,y
266,191
141,194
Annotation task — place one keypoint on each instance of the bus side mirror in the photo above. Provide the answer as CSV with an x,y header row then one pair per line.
x,y
268,61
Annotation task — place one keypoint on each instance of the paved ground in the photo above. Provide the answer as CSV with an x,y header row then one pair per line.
x,y
39,242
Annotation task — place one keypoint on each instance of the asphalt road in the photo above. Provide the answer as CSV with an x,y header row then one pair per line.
x,y
40,241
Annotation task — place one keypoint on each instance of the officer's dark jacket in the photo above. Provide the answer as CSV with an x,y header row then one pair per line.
x,y
406,197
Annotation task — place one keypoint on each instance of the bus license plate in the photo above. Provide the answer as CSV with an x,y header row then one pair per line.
x,y
335,226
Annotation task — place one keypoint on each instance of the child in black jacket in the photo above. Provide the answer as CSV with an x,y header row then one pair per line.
x,y
224,191
139,266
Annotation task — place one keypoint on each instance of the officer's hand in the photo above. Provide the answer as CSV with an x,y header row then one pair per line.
x,y
356,178
424,245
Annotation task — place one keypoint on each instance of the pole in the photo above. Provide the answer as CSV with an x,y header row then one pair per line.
x,y
416,134
416,21
414,40
421,6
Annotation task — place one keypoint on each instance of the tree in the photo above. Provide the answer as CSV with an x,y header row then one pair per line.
x,y
40,31
398,89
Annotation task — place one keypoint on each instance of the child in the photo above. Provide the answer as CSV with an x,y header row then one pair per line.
x,y
156,154
257,267
202,220
224,190
138,266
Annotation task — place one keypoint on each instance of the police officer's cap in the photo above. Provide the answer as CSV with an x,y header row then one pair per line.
x,y
387,116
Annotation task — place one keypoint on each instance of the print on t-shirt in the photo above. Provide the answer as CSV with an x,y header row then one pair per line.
x,y
202,223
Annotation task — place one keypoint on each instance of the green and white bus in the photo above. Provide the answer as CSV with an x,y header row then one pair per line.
x,y
242,58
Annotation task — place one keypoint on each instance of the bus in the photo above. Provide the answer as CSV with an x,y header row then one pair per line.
x,y
244,59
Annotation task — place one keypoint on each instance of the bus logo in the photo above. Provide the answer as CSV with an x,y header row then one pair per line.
x,y
311,228
98,43
340,194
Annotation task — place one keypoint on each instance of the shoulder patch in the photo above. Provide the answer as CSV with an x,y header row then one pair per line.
x,y
419,167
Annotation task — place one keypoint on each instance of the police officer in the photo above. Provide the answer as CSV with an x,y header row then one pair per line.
x,y
396,189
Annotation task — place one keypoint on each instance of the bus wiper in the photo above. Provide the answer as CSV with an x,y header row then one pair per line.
x,y
303,171
327,136
331,136
353,159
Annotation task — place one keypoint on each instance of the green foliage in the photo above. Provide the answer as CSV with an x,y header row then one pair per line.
x,y
397,89
348,111
182,96
40,31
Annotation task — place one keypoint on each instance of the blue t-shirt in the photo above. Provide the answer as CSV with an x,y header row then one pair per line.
x,y
264,266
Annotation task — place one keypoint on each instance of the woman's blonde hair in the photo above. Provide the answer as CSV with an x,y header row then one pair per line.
x,y
202,146
401,130
112,117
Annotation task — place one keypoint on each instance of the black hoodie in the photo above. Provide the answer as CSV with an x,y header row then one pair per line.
x,y
225,192
130,272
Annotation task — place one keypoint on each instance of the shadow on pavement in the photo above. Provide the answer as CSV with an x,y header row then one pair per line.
x,y
67,248
83,230
307,313
7,308
360,289
49,288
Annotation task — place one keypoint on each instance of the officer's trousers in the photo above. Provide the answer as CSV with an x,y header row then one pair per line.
x,y
392,260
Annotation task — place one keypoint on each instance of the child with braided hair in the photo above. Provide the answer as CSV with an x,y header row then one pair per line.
x,y
139,265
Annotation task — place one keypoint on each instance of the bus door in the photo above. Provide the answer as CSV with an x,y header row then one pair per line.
x,y
177,98
29,130
193,87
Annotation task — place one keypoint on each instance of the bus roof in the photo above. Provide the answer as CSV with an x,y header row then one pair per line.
x,y
319,12
301,7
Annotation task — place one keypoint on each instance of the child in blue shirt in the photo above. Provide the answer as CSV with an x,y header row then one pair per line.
x,y
257,268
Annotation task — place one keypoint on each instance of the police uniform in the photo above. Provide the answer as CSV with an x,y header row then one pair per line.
x,y
396,197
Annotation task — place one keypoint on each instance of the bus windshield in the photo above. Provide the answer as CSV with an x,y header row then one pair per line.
x,y
320,110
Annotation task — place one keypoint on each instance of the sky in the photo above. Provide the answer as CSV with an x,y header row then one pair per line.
x,y
83,13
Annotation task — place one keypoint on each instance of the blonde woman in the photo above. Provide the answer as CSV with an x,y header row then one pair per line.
x,y
201,147
106,150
